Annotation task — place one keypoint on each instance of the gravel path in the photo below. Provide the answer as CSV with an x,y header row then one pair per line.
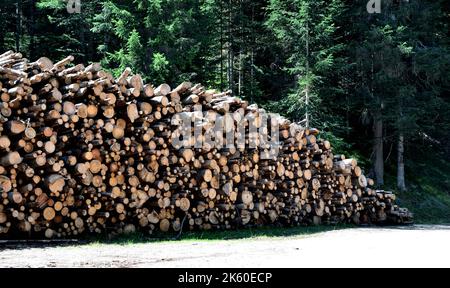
x,y
417,246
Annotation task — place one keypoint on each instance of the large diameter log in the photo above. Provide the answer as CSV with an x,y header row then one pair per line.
x,y
3,218
162,90
206,175
185,204
44,63
30,133
160,100
4,142
153,217
307,174
132,112
362,181
60,65
247,197
55,183
183,87
10,159
136,82
191,99
118,132
15,197
49,233
5,184
16,127
122,80
49,213
164,225
149,91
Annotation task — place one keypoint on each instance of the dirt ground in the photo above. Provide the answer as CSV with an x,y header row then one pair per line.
x,y
416,246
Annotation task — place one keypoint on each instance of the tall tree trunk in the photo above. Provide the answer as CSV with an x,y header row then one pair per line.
x,y
221,44
84,46
18,24
252,56
32,29
241,74
91,48
307,75
347,115
241,50
230,48
401,184
2,35
378,149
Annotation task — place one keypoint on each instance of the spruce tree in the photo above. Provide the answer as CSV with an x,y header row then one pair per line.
x,y
306,32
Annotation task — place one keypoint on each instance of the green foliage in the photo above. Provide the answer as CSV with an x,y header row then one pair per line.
x,y
160,66
162,40
51,4
428,196
306,31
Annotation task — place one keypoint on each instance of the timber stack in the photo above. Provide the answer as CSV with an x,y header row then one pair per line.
x,y
83,152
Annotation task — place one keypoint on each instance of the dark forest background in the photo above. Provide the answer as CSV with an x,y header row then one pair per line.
x,y
377,85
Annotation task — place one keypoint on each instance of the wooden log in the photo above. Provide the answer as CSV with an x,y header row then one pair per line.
x,y
5,143
164,225
122,80
55,183
132,112
162,90
160,100
10,159
67,170
16,127
49,214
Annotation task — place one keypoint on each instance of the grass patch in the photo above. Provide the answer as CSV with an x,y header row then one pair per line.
x,y
247,233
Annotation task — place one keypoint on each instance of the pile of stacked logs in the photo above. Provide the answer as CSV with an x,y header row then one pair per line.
x,y
83,152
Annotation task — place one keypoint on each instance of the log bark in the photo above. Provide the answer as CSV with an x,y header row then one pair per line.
x,y
401,184
84,153
378,150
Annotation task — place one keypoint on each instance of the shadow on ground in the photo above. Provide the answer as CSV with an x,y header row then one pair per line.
x,y
140,238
